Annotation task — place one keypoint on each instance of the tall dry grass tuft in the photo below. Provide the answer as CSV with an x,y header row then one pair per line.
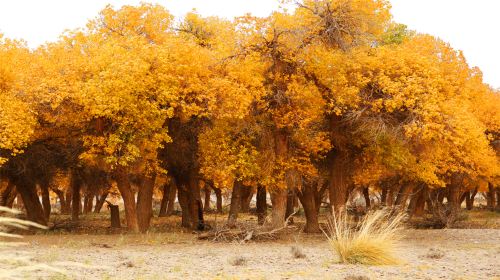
x,y
14,264
372,241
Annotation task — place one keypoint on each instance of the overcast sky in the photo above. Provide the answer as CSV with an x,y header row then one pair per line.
x,y
469,25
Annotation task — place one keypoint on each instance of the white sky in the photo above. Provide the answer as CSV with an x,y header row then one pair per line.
x,y
468,25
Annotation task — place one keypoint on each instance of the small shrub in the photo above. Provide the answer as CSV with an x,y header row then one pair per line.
x,y
297,253
434,254
238,261
372,241
357,277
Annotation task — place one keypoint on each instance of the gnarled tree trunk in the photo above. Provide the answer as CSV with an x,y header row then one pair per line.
x,y
100,199
46,200
308,201
123,183
234,209
218,197
338,188
76,183
207,191
261,204
164,200
145,202
278,200
246,197
183,202
34,209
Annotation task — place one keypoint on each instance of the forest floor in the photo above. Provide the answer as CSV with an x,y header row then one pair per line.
x,y
170,253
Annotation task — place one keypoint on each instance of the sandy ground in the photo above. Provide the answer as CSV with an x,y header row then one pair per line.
x,y
467,254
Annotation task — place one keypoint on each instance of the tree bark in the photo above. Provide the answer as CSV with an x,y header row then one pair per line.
x,y
403,194
60,196
218,196
171,198
421,197
123,183
246,198
164,200
498,199
183,202
145,203
491,201
9,191
89,202
234,209
366,195
76,184
34,209
207,192
69,201
290,205
278,200
453,198
195,205
100,201
11,197
46,200
308,201
383,196
338,182
261,204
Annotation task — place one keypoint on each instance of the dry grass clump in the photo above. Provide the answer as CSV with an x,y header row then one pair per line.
x,y
357,277
434,254
238,261
297,253
15,265
372,241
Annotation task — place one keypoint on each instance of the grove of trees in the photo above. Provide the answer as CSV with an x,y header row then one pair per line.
x,y
318,103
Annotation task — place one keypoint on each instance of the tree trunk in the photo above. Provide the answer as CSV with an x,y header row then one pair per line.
x,y
123,184
195,205
208,192
89,202
469,200
366,195
453,198
60,196
403,194
290,205
261,204
164,200
338,183
46,200
491,203
69,201
11,197
100,201
234,209
383,196
34,210
498,199
319,195
9,191
218,196
172,192
246,198
278,200
19,201
115,215
421,197
183,202
306,197
145,203
75,199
